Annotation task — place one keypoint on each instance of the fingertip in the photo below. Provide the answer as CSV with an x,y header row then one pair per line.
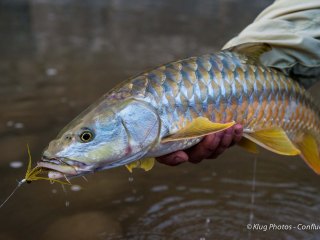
x,y
226,140
229,131
173,159
237,138
210,142
238,129
203,149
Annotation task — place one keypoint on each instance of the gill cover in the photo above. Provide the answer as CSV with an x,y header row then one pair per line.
x,y
197,128
142,125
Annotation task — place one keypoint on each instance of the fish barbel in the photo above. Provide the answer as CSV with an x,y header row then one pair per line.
x,y
172,107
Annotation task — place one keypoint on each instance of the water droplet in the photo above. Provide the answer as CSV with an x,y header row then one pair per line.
x,y
206,179
51,71
63,100
130,199
159,188
10,123
208,220
54,191
18,125
72,104
16,164
181,188
75,188
292,167
67,203
130,179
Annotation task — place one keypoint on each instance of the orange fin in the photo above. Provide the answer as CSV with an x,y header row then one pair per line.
x,y
274,140
197,128
309,152
248,145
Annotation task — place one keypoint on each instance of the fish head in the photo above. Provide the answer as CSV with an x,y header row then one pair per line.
x,y
102,137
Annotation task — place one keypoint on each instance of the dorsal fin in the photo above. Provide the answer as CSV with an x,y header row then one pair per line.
x,y
252,50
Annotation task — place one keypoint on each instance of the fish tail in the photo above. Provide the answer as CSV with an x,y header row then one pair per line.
x,y
309,146
276,140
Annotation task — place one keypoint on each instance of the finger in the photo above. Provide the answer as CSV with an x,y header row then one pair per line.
x,y
205,148
227,138
238,131
173,159
218,152
230,137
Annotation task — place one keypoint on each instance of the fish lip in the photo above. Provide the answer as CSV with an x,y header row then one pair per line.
x,y
63,161
62,165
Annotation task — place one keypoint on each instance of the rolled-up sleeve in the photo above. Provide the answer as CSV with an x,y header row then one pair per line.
x,y
292,28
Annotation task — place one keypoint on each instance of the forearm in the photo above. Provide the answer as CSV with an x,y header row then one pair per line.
x,y
292,28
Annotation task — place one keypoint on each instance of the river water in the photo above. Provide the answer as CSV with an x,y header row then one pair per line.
x,y
57,57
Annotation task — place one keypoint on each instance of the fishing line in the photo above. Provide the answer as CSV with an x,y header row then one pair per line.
x,y
85,178
253,191
14,190
67,202
67,179
64,189
32,174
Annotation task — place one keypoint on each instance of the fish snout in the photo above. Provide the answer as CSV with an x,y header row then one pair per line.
x,y
61,166
53,148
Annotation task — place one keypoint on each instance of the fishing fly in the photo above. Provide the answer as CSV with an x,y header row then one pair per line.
x,y
32,174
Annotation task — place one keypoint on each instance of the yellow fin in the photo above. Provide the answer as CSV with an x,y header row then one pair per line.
x,y
275,140
145,163
248,145
309,152
197,128
252,50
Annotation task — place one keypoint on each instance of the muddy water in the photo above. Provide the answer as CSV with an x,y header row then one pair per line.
x,y
56,57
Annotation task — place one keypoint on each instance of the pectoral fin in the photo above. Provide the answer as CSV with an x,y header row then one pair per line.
x,y
197,128
309,152
145,164
275,140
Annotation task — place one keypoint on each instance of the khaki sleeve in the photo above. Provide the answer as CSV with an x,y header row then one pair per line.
x,y
292,28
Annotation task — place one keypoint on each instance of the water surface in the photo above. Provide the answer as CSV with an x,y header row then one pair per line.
x,y
57,57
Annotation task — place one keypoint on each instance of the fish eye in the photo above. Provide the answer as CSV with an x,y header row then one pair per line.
x,y
86,136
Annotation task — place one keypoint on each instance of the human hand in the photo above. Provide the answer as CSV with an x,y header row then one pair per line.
x,y
209,148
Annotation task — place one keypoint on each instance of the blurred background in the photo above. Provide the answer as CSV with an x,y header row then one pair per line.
x,y
57,57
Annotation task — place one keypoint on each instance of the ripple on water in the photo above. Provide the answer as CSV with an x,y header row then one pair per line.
x,y
207,213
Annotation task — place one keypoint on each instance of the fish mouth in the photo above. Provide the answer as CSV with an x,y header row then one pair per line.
x,y
60,167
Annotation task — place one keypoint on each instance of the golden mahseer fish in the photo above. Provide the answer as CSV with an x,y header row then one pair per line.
x,y
172,107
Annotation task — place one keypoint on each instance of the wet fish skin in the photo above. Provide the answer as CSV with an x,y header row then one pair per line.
x,y
222,87
142,111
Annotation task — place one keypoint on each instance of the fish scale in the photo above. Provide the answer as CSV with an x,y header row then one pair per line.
x,y
172,107
224,87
